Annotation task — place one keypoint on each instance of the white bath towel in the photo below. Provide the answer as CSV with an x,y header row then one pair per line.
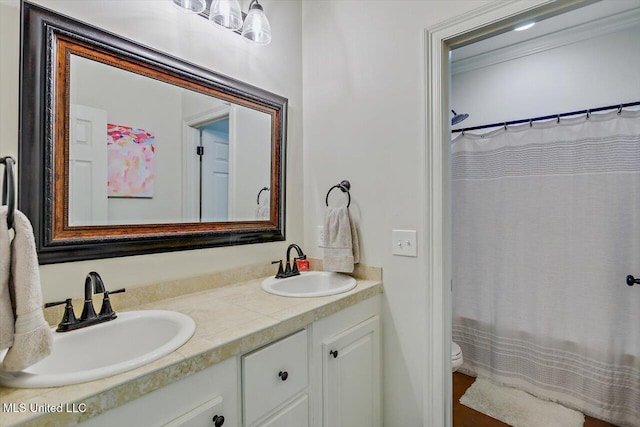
x,y
341,246
6,310
32,337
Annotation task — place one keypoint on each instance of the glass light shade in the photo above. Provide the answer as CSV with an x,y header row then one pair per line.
x,y
226,14
190,6
256,27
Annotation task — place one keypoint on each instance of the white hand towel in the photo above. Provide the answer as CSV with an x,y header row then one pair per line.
x,y
32,340
6,310
341,247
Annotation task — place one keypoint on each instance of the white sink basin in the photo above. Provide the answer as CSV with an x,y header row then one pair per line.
x,y
310,284
133,339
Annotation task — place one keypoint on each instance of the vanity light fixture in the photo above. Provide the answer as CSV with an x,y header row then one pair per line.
x,y
227,14
524,26
190,6
254,26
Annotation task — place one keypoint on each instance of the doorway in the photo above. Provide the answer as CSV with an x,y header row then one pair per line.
x,y
214,171
513,239
207,165
440,41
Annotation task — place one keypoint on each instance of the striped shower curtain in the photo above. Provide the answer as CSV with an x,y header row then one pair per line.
x,y
546,227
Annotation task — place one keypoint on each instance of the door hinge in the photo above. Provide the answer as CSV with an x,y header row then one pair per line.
x,y
200,150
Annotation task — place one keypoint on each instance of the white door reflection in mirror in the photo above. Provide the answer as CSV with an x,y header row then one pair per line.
x,y
214,171
87,165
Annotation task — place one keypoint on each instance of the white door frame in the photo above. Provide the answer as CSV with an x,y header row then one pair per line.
x,y
473,26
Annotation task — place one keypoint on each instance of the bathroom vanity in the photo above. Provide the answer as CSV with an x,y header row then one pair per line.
x,y
255,359
325,374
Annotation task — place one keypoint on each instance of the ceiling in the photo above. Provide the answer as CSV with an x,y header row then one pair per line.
x,y
592,15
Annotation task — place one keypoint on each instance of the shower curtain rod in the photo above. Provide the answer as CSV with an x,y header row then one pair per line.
x,y
553,116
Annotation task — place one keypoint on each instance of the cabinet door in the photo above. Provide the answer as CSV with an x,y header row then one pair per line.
x,y
351,377
294,415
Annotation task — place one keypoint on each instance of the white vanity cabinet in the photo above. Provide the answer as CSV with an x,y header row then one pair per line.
x,y
326,375
193,401
276,378
348,369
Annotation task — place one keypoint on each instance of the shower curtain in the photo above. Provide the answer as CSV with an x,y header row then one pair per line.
x,y
546,227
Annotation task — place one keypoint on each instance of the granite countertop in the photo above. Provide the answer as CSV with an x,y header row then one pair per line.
x,y
230,320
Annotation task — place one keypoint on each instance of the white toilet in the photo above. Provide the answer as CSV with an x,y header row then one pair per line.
x,y
456,356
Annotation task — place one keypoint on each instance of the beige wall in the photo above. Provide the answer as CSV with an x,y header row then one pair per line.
x,y
155,23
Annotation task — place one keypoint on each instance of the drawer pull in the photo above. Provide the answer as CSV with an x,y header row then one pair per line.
x,y
334,353
218,420
283,375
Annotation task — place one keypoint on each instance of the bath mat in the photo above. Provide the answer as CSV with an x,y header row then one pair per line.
x,y
517,408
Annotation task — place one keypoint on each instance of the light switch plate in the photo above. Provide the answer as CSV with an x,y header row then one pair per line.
x,y
404,242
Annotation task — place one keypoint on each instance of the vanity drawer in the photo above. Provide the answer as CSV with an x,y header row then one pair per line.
x,y
274,374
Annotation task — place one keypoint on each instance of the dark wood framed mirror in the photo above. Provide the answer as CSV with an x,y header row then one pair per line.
x,y
125,150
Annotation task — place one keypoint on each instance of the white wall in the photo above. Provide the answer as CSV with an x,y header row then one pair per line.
x,y
592,73
364,118
155,23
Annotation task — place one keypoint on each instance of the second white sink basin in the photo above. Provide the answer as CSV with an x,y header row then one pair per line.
x,y
133,339
310,284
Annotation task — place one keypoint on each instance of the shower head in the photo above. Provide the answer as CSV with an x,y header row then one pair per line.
x,y
457,118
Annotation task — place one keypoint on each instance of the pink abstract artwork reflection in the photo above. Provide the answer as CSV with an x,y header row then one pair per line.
x,y
130,161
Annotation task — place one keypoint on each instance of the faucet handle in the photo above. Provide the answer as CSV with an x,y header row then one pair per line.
x,y
106,309
280,272
53,304
69,317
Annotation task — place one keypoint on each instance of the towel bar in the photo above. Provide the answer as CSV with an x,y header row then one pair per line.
x,y
8,188
344,186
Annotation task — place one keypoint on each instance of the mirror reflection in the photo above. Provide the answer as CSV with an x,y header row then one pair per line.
x,y
143,151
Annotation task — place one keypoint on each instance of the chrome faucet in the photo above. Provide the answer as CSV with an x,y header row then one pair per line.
x,y
290,270
93,284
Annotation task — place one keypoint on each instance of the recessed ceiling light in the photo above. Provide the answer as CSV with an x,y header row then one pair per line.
x,y
524,26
